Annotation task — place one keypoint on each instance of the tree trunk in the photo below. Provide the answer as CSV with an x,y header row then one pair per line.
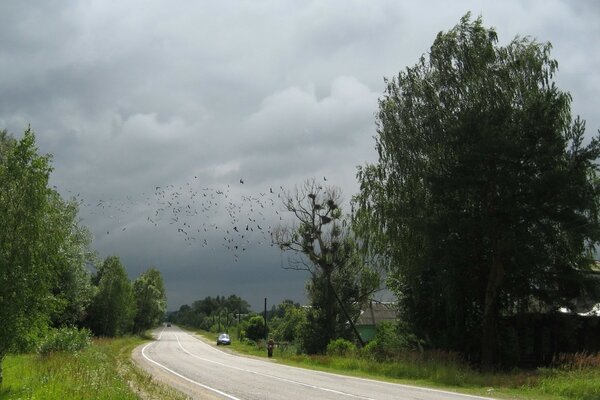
x,y
489,337
330,310
347,316
489,334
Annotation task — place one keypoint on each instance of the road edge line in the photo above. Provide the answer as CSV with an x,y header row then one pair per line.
x,y
185,377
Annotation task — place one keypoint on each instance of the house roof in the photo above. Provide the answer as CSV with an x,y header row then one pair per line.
x,y
376,312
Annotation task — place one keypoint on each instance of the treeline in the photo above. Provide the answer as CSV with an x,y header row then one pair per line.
x,y
483,204
211,313
47,291
288,323
481,210
222,314
119,306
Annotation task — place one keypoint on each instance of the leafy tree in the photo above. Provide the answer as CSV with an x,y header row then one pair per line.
x,y
113,306
256,329
322,244
485,199
279,310
203,313
236,304
7,145
25,240
150,298
287,322
181,316
72,290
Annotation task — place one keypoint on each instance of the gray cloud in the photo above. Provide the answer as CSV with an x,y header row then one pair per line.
x,y
138,94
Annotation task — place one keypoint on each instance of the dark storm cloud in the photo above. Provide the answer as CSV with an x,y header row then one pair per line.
x,y
133,95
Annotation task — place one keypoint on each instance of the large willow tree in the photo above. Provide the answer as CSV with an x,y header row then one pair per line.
x,y
484,201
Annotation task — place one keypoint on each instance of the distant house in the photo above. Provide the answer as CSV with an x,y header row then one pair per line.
x,y
585,305
374,313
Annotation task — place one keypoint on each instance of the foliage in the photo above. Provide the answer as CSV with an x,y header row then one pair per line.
x,y
390,341
484,201
576,361
313,334
205,313
322,244
65,339
43,249
287,327
341,348
72,290
103,370
27,243
352,285
279,310
150,299
113,306
447,370
256,329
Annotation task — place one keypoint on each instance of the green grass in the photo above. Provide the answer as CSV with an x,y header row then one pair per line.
x,y
104,370
440,371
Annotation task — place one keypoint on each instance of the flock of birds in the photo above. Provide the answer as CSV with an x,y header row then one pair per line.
x,y
227,217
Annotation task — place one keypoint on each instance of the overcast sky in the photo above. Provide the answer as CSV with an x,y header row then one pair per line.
x,y
154,111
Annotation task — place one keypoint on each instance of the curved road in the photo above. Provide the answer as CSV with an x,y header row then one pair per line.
x,y
205,372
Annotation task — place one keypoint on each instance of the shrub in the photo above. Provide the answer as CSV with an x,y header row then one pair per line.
x,y
313,337
65,339
340,347
29,341
390,341
369,350
288,328
576,361
256,329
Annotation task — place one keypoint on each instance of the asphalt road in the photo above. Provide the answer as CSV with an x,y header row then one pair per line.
x,y
203,371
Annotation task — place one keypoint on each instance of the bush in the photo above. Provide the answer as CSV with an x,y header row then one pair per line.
x,y
29,341
390,341
313,337
370,349
340,347
65,339
576,361
256,329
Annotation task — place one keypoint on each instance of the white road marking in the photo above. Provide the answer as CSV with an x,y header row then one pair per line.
x,y
273,376
184,377
285,379
343,376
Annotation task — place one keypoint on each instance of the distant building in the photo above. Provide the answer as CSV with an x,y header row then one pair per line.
x,y
374,313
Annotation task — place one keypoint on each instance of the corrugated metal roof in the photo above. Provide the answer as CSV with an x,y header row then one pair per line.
x,y
377,312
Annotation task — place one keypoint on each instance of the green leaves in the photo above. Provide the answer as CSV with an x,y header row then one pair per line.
x,y
36,241
484,195
324,245
150,299
25,240
113,306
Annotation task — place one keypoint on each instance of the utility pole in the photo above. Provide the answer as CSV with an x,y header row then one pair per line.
x,y
360,339
266,329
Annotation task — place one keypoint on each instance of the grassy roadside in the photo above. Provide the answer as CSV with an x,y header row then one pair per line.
x,y
104,370
581,382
